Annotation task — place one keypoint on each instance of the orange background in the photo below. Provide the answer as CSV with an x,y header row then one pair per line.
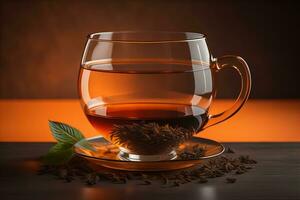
x,y
42,43
259,120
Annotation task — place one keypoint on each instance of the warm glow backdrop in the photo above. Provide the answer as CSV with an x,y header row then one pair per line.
x,y
41,43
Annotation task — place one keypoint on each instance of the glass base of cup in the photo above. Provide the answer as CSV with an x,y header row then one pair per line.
x,y
127,156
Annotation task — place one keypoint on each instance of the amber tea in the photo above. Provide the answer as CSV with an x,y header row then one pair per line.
x,y
148,129
124,107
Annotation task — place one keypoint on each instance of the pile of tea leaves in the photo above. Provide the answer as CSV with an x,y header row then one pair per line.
x,y
150,138
228,166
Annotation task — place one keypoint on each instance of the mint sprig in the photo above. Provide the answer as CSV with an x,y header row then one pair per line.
x,y
66,137
64,133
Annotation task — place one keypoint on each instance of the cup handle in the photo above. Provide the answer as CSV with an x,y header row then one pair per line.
x,y
241,66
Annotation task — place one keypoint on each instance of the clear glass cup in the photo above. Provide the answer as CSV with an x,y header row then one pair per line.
x,y
149,92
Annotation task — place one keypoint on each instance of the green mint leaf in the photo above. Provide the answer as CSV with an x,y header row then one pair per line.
x,y
85,144
60,147
64,133
60,153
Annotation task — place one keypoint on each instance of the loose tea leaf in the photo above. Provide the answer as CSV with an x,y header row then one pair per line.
x,y
247,160
92,179
231,180
202,180
146,182
229,150
176,184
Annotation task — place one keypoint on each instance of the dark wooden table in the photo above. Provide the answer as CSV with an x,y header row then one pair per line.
x,y
276,176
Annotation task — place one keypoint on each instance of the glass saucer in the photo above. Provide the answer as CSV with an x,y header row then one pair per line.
x,y
106,154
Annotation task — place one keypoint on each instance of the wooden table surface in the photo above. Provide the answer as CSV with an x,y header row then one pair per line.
x,y
275,177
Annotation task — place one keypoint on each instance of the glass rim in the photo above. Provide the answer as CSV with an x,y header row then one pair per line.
x,y
107,36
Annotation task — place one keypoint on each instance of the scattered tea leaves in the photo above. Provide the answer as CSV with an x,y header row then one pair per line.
x,y
196,153
78,168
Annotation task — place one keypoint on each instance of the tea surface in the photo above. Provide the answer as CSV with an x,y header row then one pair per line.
x,y
123,83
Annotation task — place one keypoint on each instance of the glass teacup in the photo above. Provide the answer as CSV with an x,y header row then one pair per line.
x,y
149,92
